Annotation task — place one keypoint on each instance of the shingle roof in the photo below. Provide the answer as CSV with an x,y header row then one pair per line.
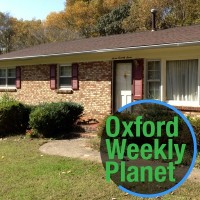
x,y
138,39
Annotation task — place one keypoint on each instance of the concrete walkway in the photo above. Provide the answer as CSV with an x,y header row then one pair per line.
x,y
74,148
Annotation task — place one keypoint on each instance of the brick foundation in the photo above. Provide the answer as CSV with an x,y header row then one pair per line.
x,y
189,111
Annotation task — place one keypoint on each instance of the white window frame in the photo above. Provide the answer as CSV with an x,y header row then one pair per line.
x,y
69,87
6,85
163,84
183,103
151,80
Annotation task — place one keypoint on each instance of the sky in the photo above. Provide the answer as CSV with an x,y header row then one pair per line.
x,y
27,10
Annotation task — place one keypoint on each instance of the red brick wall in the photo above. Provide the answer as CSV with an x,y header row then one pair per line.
x,y
94,88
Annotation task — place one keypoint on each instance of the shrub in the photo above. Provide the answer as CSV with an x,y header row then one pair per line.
x,y
14,116
51,119
149,112
195,122
121,116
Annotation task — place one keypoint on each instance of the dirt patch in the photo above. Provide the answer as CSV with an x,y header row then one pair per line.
x,y
79,148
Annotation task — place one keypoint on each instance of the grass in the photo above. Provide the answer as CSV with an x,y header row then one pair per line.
x,y
26,174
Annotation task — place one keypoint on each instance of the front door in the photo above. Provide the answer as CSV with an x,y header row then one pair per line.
x,y
123,84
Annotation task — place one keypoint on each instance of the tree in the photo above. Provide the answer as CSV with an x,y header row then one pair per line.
x,y
28,33
89,18
111,23
140,15
58,28
183,12
170,13
82,15
6,32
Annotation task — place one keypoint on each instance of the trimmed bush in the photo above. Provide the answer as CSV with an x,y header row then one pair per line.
x,y
149,112
52,119
14,117
195,122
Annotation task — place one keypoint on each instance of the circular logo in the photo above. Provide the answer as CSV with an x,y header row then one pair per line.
x,y
148,148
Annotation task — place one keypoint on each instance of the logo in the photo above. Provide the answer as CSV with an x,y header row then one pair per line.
x,y
148,148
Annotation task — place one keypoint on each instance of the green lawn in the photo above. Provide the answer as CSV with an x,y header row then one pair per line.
x,y
27,174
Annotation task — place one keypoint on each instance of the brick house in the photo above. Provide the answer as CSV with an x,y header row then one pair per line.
x,y
105,73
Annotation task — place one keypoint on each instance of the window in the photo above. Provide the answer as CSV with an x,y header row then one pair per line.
x,y
7,77
153,79
65,76
182,80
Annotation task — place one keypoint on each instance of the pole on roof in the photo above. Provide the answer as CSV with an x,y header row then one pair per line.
x,y
153,11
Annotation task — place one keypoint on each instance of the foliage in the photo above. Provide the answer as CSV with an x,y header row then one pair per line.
x,y
14,116
58,28
121,116
195,122
152,113
111,23
17,34
87,12
91,18
83,17
169,14
6,32
51,119
28,33
181,13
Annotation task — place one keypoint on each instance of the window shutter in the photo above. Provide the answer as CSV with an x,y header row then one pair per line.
x,y
138,67
53,77
18,78
75,82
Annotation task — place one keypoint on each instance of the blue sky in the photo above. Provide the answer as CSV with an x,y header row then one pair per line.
x,y
27,10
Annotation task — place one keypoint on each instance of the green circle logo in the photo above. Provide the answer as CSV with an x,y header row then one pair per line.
x,y
148,148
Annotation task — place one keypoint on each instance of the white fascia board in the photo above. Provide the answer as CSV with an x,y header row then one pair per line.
x,y
182,44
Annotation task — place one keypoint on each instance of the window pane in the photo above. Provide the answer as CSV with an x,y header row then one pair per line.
x,y
154,65
2,81
154,90
153,69
153,79
11,81
154,75
2,72
150,65
65,71
182,80
65,82
11,72
157,65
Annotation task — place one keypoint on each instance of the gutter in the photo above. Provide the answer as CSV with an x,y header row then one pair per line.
x,y
182,44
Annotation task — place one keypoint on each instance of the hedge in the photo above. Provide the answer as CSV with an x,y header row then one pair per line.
x,y
52,119
14,117
149,112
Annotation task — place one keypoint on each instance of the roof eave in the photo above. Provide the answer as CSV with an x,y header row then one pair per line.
x,y
181,44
